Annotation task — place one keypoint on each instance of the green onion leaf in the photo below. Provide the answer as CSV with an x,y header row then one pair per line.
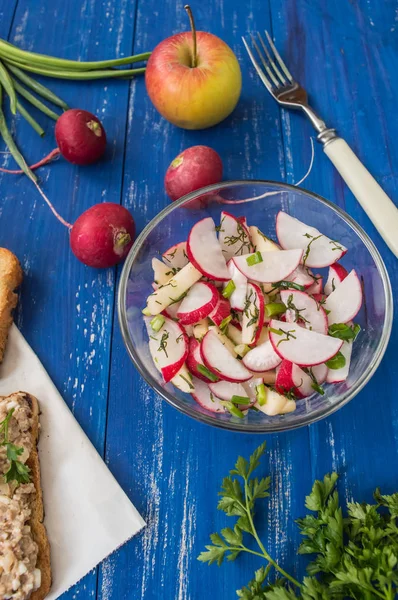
x,y
337,362
254,259
242,349
146,312
243,400
224,323
234,410
261,393
207,373
157,322
275,308
288,285
315,386
229,289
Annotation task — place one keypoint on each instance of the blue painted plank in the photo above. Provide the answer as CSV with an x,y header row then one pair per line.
x,y
345,55
170,466
66,309
7,11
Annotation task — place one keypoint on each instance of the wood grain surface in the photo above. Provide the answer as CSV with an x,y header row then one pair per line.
x,y
346,54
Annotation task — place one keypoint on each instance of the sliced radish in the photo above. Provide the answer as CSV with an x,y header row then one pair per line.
x,y
262,358
219,360
316,287
204,250
226,389
176,256
205,397
198,303
337,274
260,241
320,372
319,250
300,345
274,266
301,276
194,359
290,378
309,313
233,236
161,273
188,330
238,297
235,334
224,340
200,329
253,315
183,380
168,347
339,375
276,404
220,312
173,290
250,387
172,310
345,302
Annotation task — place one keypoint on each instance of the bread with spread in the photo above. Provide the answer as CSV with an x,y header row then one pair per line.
x,y
25,570
10,279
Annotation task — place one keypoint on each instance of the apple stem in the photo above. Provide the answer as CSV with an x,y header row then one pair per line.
x,y
193,28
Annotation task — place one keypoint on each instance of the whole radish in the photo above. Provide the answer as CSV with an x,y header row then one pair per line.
x,y
191,170
80,136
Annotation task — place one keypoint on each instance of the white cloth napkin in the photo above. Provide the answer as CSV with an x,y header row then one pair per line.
x,y
88,515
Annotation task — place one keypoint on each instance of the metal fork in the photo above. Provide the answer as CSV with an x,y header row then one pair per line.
x,y
280,83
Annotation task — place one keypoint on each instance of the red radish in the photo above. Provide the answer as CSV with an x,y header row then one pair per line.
x,y
250,387
191,170
262,358
271,266
205,398
224,340
316,287
337,274
238,297
103,235
172,310
305,310
198,303
319,250
204,250
220,312
176,256
345,302
302,276
253,315
161,273
168,347
220,361
172,291
339,375
320,298
302,346
290,378
233,236
194,359
80,136
226,389
320,372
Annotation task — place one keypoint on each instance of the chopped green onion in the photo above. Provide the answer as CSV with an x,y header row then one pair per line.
x,y
229,289
315,386
224,323
276,331
275,308
207,373
254,259
287,285
240,400
261,393
234,410
146,312
242,349
157,322
337,362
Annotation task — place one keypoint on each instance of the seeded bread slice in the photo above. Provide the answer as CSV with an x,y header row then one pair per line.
x,y
10,279
37,515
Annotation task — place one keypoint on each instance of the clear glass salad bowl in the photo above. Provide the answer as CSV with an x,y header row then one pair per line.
x,y
259,202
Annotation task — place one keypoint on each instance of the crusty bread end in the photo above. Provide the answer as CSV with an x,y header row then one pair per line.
x,y
10,278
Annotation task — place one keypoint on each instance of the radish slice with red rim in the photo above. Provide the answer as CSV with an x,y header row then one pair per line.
x,y
304,310
253,315
233,236
339,375
226,389
220,312
204,250
316,287
262,358
220,361
200,301
205,397
176,256
238,297
168,347
337,274
320,372
268,267
195,362
345,302
302,276
290,379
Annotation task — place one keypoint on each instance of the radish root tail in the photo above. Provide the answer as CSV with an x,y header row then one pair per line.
x,y
57,215
44,161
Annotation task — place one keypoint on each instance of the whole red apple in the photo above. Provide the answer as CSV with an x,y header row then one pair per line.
x,y
193,79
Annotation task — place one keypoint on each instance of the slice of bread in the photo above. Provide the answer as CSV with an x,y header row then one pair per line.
x,y
10,279
38,529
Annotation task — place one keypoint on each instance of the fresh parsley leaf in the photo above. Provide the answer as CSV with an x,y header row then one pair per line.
x,y
344,331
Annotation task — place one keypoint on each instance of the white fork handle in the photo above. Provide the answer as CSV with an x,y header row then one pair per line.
x,y
375,202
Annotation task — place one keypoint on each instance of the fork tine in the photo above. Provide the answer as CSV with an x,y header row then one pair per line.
x,y
265,64
278,58
270,60
259,70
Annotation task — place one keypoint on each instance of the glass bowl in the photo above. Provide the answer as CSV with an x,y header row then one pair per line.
x,y
259,202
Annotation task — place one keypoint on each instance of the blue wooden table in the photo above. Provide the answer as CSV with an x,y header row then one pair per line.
x,y
346,54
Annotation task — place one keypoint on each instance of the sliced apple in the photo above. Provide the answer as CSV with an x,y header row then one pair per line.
x,y
319,250
172,291
200,301
235,334
290,378
204,250
337,274
176,256
205,397
304,310
272,266
161,273
253,315
219,360
200,329
345,302
223,339
262,358
238,297
276,404
233,236
220,312
168,347
260,241
339,375
183,380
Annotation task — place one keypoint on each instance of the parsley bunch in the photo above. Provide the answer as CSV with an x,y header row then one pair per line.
x,y
17,471
353,557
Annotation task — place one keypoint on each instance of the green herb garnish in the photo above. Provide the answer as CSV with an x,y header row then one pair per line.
x,y
157,322
344,332
224,323
254,259
207,373
275,308
229,289
288,285
240,400
307,251
337,362
17,470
